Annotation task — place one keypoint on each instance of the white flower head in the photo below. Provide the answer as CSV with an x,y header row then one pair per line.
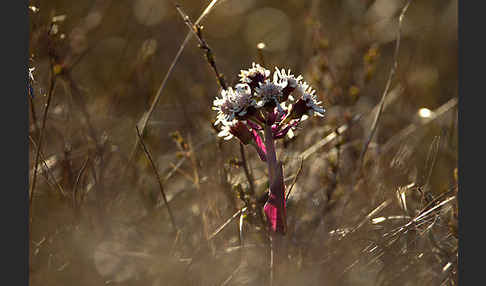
x,y
268,92
286,79
233,102
308,95
225,106
256,72
244,98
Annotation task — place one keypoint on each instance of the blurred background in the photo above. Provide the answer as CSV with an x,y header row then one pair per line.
x,y
98,215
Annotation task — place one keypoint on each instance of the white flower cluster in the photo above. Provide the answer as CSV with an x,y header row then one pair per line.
x,y
256,96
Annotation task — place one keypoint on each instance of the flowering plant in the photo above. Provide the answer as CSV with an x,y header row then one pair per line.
x,y
260,110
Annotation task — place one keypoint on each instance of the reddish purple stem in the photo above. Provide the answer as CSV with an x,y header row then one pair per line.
x,y
259,146
275,206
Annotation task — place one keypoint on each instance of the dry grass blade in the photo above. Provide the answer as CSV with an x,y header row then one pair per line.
x,y
232,218
431,158
240,228
207,10
154,168
430,210
401,194
372,213
230,277
78,178
387,87
427,210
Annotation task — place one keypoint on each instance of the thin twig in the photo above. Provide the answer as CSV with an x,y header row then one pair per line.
x,y
387,86
154,168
